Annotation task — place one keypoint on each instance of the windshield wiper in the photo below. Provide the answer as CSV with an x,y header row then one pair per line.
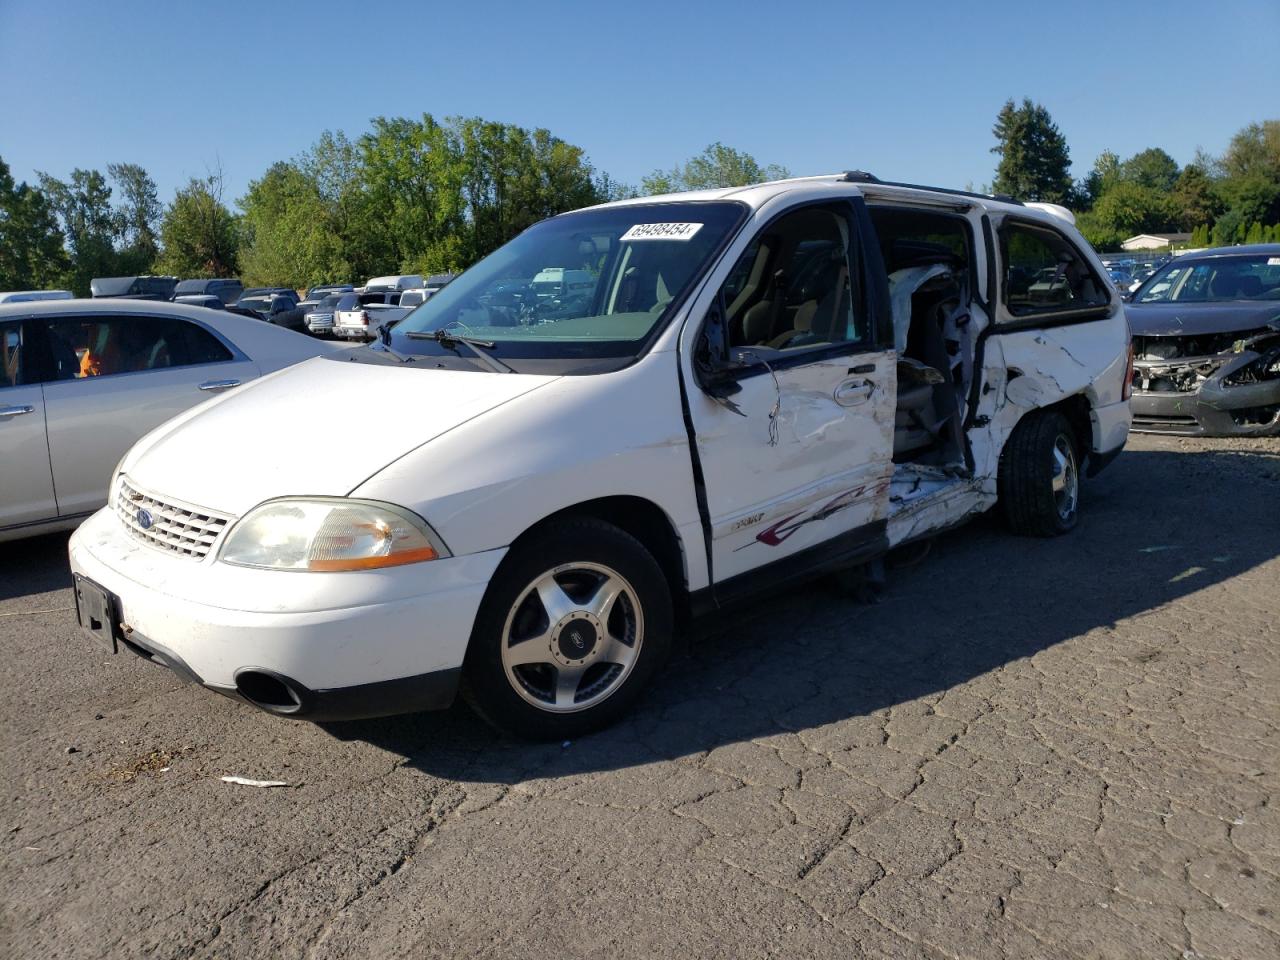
x,y
450,340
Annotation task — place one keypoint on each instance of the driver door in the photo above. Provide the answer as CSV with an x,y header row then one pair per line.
x,y
797,455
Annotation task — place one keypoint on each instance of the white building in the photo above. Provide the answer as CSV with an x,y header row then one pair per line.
x,y
1155,241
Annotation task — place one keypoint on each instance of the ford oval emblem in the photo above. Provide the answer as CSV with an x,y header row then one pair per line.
x,y
145,520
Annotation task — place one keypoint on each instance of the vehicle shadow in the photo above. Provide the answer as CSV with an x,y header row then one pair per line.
x,y
34,565
1156,527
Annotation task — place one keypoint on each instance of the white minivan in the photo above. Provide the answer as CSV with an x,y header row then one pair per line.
x,y
762,384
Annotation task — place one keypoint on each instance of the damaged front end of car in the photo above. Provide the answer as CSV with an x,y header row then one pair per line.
x,y
1208,385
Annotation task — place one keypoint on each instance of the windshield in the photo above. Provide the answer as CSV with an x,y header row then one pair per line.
x,y
1214,279
585,285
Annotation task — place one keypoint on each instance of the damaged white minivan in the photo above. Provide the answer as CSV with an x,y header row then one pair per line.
x,y
522,489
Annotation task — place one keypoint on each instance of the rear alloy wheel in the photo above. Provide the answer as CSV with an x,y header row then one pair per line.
x,y
1040,476
573,626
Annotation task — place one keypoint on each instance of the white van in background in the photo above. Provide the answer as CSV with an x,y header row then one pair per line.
x,y
399,282
24,296
559,282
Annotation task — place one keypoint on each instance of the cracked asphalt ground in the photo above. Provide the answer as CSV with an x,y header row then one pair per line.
x,y
1064,748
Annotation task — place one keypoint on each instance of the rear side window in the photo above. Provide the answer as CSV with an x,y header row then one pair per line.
x,y
12,356
84,347
1044,273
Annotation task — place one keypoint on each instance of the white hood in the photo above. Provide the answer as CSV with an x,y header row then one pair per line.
x,y
322,427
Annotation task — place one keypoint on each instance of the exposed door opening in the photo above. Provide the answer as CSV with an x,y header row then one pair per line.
x,y
928,256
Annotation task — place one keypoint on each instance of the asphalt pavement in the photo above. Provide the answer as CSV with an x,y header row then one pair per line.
x,y
1028,748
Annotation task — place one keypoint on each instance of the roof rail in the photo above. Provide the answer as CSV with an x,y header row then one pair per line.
x,y
861,176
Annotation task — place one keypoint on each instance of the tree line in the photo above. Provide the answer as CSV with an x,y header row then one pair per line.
x,y
430,196
1219,200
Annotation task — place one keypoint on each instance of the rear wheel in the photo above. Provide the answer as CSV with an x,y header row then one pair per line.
x,y
574,625
1040,475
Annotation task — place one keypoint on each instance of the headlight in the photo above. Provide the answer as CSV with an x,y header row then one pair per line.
x,y
329,535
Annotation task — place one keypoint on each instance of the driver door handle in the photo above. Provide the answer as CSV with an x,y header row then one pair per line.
x,y
218,385
17,411
850,393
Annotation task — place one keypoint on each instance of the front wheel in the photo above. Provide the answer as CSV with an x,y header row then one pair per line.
x,y
575,623
1040,476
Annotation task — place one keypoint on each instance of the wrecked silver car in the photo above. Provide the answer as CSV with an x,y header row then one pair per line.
x,y
1206,343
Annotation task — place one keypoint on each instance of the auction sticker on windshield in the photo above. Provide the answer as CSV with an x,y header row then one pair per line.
x,y
662,231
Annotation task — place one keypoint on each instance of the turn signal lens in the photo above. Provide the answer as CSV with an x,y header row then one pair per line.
x,y
329,536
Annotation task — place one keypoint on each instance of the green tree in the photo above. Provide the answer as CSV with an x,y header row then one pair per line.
x,y
1247,177
31,252
198,234
138,217
410,209
1152,168
1105,173
1194,197
289,232
1254,152
1200,236
1034,161
1125,209
1228,229
1101,235
716,166
89,223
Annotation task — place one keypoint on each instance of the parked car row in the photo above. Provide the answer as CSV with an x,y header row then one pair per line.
x,y
327,309
1128,274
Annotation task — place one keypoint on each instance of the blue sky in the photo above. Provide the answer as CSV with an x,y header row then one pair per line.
x,y
906,90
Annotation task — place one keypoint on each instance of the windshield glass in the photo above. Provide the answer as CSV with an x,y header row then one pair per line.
x,y
1245,277
591,284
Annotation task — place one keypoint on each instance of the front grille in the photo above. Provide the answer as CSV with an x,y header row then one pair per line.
x,y
189,533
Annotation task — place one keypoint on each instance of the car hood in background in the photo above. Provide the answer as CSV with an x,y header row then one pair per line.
x,y
319,428
1194,319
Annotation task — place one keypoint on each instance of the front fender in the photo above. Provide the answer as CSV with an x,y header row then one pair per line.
x,y
582,438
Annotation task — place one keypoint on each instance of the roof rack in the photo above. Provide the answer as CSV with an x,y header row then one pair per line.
x,y
861,176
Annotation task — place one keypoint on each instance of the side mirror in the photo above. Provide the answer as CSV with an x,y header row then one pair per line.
x,y
716,373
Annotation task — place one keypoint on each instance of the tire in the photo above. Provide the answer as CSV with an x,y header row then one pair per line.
x,y
1040,476
558,668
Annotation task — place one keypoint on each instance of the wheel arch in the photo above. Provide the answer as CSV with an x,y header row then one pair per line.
x,y
640,518
1079,413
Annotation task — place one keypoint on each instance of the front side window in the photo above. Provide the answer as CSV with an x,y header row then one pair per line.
x,y
1044,273
85,347
792,287
1213,279
591,284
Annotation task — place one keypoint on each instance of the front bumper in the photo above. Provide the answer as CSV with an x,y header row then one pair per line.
x,y
341,645
1215,409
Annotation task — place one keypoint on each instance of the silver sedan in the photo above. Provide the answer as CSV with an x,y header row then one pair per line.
x,y
82,380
